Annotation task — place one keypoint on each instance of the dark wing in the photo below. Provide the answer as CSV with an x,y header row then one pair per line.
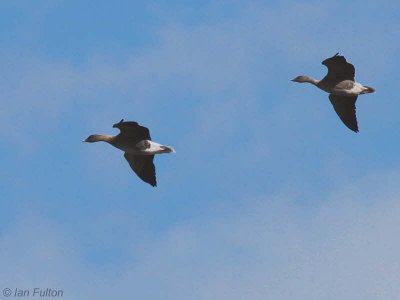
x,y
345,107
133,130
143,166
338,69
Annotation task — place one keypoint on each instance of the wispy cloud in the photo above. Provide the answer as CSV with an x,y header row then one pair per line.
x,y
227,64
275,211
276,248
209,60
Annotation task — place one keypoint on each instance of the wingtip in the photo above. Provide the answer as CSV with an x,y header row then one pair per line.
x,y
116,124
329,58
153,184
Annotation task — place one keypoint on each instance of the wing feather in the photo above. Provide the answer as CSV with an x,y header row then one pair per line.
x,y
133,130
338,69
345,108
143,166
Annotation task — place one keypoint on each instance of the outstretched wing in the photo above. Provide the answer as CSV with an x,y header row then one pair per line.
x,y
338,69
133,130
345,107
143,166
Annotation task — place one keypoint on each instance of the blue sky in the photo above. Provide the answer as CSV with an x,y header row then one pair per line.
x,y
269,196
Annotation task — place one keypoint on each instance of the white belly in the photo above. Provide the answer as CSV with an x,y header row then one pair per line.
x,y
355,90
145,147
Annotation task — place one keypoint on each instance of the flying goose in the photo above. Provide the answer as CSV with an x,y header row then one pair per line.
x,y
343,90
139,150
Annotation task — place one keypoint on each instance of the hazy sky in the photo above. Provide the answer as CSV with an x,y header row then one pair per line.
x,y
269,195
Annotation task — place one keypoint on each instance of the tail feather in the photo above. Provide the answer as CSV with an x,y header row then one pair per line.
x,y
369,90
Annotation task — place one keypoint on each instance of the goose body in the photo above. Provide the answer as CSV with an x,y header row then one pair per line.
x,y
144,147
139,149
342,88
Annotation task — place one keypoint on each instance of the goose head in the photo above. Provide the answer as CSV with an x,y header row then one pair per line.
x,y
96,138
301,79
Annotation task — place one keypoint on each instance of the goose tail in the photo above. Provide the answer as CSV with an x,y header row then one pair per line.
x,y
368,90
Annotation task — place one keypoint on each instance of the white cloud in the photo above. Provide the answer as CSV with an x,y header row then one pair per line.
x,y
214,61
220,70
272,248
276,248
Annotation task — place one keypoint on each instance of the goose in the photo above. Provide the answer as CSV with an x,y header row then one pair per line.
x,y
139,149
343,90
